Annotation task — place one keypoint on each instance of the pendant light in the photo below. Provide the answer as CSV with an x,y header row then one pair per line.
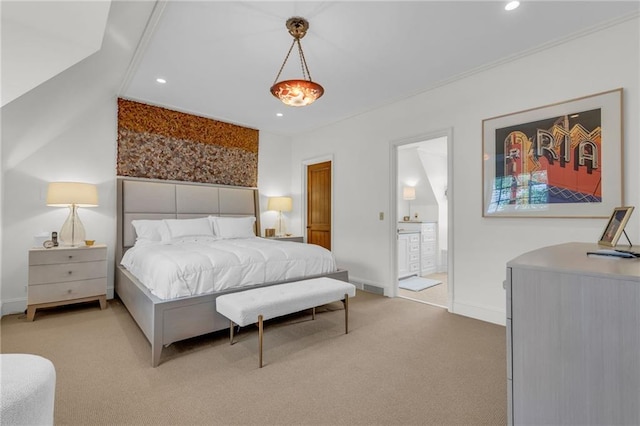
x,y
297,92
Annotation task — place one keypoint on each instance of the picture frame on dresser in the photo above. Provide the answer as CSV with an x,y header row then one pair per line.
x,y
615,226
560,160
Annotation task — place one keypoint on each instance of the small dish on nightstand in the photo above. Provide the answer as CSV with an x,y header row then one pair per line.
x,y
89,243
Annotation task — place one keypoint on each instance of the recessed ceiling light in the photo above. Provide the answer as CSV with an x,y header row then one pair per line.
x,y
279,114
161,80
512,5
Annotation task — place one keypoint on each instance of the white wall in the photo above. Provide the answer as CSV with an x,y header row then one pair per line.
x,y
85,150
66,129
274,176
481,246
411,172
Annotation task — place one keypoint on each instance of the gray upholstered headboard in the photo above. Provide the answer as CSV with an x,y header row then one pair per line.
x,y
159,199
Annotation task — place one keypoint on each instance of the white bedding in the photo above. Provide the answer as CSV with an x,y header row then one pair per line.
x,y
204,265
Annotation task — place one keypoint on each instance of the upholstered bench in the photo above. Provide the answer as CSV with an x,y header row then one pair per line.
x,y
260,304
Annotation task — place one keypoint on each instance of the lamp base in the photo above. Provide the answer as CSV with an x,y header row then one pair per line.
x,y
280,226
72,232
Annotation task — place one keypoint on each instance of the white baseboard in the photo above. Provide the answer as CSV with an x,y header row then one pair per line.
x,y
483,313
13,306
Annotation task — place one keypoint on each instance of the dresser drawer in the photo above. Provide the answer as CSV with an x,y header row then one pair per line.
x,y
428,237
414,247
414,257
53,256
63,272
414,267
66,291
428,262
428,249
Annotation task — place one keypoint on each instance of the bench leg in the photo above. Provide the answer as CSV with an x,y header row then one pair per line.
x,y
346,313
313,313
231,333
260,328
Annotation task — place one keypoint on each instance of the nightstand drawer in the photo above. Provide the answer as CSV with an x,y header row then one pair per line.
x,y
66,291
43,274
53,256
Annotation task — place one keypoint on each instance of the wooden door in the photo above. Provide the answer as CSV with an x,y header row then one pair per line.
x,y
319,204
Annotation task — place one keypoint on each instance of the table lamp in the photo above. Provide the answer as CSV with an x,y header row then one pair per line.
x,y
280,204
408,194
72,195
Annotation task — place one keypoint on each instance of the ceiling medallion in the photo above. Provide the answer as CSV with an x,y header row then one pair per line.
x,y
297,92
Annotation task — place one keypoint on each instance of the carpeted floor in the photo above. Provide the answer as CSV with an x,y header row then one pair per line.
x,y
403,363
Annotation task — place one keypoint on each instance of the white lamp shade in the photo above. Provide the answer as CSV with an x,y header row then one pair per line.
x,y
281,204
409,193
63,194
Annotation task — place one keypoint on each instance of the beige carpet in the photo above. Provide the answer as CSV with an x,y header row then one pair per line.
x,y
403,363
436,295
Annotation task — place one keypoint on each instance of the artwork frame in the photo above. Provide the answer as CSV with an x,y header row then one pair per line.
x,y
572,141
615,226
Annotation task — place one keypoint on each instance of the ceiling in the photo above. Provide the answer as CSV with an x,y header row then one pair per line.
x,y
221,57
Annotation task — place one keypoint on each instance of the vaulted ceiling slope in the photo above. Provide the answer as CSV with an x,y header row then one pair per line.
x,y
219,58
42,39
41,114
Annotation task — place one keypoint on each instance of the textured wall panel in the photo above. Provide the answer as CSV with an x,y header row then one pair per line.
x,y
158,143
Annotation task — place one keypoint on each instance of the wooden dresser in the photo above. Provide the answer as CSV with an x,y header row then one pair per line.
x,y
573,338
64,275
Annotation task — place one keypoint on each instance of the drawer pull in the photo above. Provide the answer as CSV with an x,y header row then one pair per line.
x,y
70,272
69,291
70,257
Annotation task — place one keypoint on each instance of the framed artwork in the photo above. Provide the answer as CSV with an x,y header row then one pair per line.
x,y
615,227
560,160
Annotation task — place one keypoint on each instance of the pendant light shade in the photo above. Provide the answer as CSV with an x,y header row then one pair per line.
x,y
297,92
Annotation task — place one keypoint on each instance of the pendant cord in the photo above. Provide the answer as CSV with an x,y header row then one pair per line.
x,y
306,75
285,61
303,62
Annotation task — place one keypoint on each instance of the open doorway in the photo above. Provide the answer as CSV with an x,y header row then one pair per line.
x,y
422,212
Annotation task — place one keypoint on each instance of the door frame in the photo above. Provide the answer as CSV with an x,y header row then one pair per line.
x,y
393,206
305,165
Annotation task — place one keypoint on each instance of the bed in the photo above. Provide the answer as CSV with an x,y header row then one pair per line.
x,y
167,320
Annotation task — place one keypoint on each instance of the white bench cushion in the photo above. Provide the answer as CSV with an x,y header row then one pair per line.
x,y
244,307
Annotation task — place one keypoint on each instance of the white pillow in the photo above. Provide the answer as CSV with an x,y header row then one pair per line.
x,y
152,230
179,228
233,227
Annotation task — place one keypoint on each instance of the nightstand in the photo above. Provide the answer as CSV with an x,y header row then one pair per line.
x,y
291,238
64,275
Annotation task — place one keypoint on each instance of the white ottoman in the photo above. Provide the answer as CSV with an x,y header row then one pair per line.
x,y
260,304
27,390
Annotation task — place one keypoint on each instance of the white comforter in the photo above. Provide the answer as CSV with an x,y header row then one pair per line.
x,y
207,265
